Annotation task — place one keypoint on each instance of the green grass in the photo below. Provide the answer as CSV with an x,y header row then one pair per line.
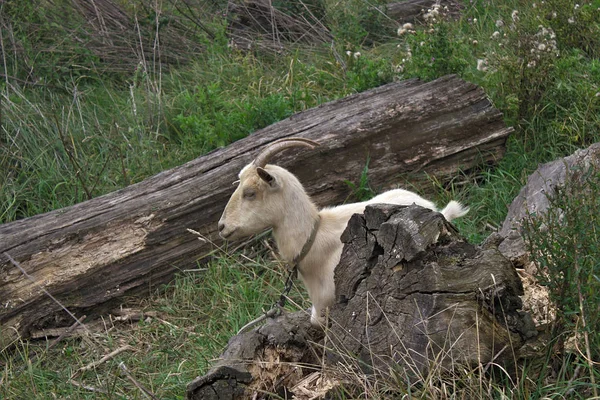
x,y
86,129
175,342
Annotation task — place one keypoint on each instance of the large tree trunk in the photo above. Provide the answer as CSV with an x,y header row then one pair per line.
x,y
411,295
91,254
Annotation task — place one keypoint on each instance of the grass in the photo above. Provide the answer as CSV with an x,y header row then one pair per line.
x,y
72,128
174,342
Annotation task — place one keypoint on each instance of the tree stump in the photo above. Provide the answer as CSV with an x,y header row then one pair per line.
x,y
411,294
269,359
90,255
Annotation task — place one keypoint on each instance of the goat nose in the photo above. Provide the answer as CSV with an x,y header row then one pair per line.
x,y
221,226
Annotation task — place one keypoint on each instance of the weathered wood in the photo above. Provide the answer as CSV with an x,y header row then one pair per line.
x,y
410,294
91,254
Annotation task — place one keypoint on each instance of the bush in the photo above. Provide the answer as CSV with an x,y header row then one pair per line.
x,y
565,244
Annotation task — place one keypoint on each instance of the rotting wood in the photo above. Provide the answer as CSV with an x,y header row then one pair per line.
x,y
412,291
90,255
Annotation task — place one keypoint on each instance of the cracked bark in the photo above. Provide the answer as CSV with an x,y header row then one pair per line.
x,y
430,296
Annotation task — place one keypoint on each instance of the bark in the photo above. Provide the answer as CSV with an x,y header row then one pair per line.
x,y
412,292
92,254
411,295
269,359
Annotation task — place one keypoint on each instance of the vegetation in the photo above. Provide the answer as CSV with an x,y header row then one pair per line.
x,y
87,108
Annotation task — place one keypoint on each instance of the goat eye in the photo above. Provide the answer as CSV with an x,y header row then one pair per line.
x,y
249,194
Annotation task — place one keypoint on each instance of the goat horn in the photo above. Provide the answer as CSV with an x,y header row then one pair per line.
x,y
279,145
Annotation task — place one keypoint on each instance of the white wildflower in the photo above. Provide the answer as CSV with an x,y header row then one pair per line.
x,y
576,6
541,47
481,65
422,44
356,55
474,20
531,64
554,14
475,42
408,26
349,53
401,31
499,23
571,20
399,69
597,94
515,15
495,35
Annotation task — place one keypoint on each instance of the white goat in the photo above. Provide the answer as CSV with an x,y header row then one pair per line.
x,y
269,196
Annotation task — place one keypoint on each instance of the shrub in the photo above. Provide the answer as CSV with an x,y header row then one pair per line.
x,y
565,243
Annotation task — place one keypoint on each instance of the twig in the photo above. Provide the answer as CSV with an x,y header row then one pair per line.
x,y
107,357
194,19
491,362
43,289
570,388
8,78
136,383
87,387
61,337
67,332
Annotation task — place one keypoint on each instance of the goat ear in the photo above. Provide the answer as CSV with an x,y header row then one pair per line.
x,y
267,177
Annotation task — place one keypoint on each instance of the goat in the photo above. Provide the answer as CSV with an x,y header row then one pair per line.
x,y
269,196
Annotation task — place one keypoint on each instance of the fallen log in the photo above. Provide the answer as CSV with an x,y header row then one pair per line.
x,y
412,297
88,256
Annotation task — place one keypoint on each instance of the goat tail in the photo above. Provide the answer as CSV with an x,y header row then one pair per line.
x,y
454,210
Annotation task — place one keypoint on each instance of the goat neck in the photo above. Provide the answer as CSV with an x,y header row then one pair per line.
x,y
296,226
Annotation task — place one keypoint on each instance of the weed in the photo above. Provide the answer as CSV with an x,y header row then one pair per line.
x,y
362,191
564,243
